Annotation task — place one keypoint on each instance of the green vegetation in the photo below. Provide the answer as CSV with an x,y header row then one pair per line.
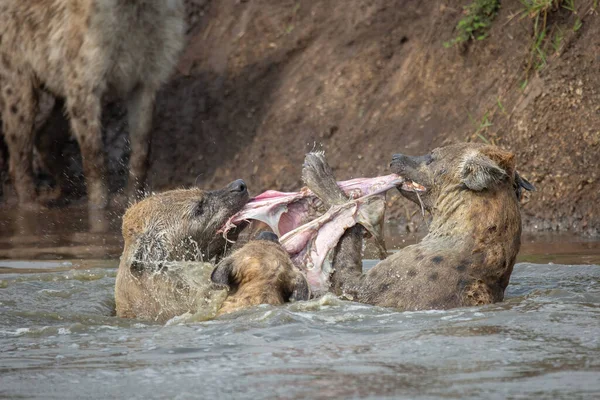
x,y
501,106
559,35
545,35
481,126
478,17
290,27
538,11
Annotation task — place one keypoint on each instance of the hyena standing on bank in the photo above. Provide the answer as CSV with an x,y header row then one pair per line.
x,y
84,51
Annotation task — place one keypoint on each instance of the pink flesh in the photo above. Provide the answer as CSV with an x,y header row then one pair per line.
x,y
283,211
310,245
270,208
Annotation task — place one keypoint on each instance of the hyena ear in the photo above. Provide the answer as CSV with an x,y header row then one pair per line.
x,y
479,172
522,183
222,273
269,236
300,291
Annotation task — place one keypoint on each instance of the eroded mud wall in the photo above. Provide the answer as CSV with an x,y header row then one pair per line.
x,y
263,81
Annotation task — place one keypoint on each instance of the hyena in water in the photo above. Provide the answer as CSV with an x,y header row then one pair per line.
x,y
84,51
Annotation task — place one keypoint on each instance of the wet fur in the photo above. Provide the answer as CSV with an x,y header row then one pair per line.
x,y
177,225
84,50
163,294
261,272
181,225
474,237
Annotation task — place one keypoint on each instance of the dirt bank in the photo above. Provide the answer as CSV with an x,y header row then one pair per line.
x,y
264,81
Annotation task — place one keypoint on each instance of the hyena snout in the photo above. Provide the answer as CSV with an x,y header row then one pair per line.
x,y
405,165
238,186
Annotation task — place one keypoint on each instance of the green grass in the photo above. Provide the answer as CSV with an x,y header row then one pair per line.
x,y
569,5
290,27
538,11
481,126
545,36
501,106
478,17
559,35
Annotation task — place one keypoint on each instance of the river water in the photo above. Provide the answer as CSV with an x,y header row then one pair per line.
x,y
58,338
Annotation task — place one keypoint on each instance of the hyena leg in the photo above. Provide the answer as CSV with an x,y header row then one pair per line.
x,y
52,135
140,109
347,276
84,108
347,262
3,160
18,113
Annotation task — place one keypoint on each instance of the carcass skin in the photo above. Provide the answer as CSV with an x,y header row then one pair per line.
x,y
311,243
285,211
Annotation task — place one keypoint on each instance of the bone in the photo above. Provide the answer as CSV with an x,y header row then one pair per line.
x,y
332,241
318,176
285,211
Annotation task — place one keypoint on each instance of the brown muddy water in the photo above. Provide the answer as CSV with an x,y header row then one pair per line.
x,y
58,338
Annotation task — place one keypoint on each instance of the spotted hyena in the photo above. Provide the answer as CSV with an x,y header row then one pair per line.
x,y
261,272
84,51
170,237
472,192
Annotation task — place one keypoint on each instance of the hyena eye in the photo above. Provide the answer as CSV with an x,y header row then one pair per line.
x,y
430,159
199,208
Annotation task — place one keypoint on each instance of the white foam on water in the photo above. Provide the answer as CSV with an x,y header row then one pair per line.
x,y
179,319
16,332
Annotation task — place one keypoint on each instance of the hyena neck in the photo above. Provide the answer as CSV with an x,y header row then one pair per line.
x,y
481,221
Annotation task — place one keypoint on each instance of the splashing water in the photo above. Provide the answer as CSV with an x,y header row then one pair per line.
x,y
59,340
59,337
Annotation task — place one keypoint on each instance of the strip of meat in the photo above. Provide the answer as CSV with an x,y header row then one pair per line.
x,y
285,211
310,240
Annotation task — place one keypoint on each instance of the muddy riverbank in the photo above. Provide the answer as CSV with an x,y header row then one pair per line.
x,y
263,81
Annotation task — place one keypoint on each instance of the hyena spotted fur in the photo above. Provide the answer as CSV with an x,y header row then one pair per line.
x,y
85,51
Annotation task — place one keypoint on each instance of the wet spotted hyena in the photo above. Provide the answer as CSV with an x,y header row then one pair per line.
x,y
472,192
173,237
